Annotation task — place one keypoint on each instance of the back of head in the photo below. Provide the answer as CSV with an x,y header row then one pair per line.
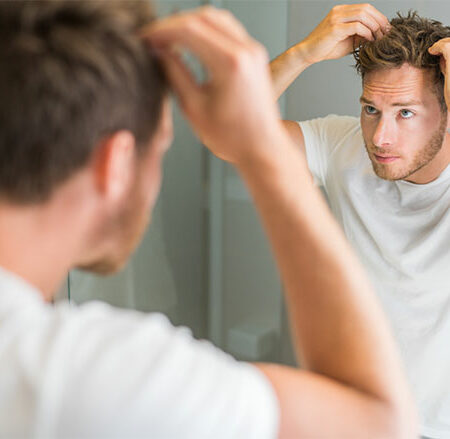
x,y
71,73
408,41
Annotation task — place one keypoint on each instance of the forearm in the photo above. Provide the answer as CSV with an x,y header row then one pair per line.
x,y
331,305
286,67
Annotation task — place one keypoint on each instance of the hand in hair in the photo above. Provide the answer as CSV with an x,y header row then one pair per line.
x,y
238,81
442,49
341,30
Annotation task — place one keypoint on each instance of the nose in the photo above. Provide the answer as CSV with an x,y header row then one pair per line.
x,y
385,133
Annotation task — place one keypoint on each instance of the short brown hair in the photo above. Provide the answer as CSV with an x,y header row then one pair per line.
x,y
71,73
407,41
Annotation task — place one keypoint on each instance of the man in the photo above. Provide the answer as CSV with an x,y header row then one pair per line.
x,y
387,177
85,123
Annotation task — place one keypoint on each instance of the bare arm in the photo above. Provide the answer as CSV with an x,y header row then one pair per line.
x,y
355,385
337,325
285,68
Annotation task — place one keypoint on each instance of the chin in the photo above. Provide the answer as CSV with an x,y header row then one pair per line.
x,y
384,173
389,172
104,267
388,177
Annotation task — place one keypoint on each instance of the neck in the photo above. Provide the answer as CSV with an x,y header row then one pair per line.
x,y
26,248
40,242
435,167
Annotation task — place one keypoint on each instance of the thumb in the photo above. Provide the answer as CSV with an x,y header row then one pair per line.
x,y
434,49
440,47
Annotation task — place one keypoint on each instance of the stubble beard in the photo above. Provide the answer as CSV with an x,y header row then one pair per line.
x,y
128,227
422,158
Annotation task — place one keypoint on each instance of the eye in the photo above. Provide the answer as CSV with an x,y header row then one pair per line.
x,y
370,110
406,114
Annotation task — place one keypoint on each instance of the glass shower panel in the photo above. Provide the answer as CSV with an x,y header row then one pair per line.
x,y
247,288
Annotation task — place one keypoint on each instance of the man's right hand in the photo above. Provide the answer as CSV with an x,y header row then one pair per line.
x,y
337,35
233,111
341,30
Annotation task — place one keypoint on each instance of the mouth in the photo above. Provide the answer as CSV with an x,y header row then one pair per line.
x,y
385,159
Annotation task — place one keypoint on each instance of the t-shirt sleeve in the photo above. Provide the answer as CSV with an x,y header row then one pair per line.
x,y
322,136
115,373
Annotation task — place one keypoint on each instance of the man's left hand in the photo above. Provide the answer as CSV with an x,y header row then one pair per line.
x,y
442,49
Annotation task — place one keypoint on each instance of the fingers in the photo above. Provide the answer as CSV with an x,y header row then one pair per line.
x,y
365,14
181,79
443,65
367,21
379,17
224,21
442,47
356,28
213,47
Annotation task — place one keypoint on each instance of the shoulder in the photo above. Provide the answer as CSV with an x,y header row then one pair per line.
x,y
144,367
333,124
331,132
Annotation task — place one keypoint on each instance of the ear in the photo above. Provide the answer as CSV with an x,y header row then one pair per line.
x,y
114,165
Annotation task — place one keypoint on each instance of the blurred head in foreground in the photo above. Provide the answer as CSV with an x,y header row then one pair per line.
x,y
83,115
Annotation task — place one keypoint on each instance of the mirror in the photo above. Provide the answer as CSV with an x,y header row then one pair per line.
x,y
206,263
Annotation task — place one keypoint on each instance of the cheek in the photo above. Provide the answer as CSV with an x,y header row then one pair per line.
x,y
415,135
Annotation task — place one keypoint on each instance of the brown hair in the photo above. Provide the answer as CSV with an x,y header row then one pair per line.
x,y
407,41
71,73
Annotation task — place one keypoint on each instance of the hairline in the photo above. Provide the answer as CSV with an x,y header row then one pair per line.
x,y
435,84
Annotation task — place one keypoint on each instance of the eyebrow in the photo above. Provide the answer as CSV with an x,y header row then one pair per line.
x,y
363,100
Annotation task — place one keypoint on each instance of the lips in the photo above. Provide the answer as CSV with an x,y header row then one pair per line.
x,y
385,159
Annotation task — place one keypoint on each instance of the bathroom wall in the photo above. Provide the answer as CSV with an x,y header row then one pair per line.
x,y
251,289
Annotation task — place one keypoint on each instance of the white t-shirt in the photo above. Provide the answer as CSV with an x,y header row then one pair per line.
x,y
401,231
96,371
